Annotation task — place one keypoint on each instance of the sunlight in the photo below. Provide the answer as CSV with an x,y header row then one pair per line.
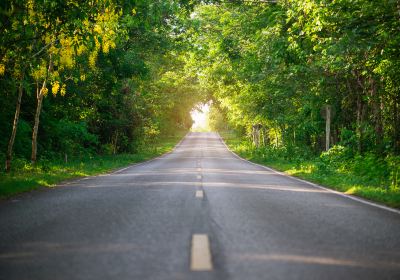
x,y
200,118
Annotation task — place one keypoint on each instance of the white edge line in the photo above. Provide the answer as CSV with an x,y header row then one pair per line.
x,y
393,210
129,166
150,160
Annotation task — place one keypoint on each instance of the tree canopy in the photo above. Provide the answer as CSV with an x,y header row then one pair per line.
x,y
107,76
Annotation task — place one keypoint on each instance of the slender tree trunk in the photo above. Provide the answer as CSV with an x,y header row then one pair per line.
x,y
360,111
39,96
15,126
396,121
264,137
398,7
253,135
359,128
294,136
377,111
115,142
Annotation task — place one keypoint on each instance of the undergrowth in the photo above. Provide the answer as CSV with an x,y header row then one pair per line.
x,y
368,175
47,173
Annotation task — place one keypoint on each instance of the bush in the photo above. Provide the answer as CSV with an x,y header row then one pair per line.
x,y
336,157
107,149
67,137
372,168
23,144
393,163
348,138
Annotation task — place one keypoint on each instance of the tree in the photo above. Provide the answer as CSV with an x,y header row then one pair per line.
x,y
57,33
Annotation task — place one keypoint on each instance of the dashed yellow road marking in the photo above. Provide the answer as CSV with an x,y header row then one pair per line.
x,y
199,194
201,253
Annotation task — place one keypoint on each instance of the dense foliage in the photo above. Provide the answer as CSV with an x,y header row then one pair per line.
x,y
87,77
275,69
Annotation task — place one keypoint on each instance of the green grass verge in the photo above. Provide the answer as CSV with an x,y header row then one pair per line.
x,y
26,177
343,180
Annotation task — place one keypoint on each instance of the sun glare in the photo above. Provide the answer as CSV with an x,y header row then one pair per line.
x,y
200,118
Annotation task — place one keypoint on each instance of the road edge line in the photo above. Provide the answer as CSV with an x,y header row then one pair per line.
x,y
361,200
149,160
124,168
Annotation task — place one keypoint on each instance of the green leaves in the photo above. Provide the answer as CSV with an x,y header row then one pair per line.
x,y
274,64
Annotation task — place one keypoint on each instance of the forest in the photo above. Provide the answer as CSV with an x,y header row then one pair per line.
x,y
296,80
99,77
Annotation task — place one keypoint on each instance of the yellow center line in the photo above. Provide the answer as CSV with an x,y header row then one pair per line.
x,y
199,194
201,253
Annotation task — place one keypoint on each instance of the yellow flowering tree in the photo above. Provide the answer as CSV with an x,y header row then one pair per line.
x,y
54,34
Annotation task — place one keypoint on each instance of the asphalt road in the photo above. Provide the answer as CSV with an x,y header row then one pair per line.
x,y
138,223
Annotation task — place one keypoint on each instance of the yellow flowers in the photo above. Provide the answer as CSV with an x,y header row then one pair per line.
x,y
81,49
86,23
105,27
92,59
63,90
97,28
2,69
55,86
106,47
40,72
45,91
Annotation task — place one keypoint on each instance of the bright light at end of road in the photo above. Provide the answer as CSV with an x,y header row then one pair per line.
x,y
200,118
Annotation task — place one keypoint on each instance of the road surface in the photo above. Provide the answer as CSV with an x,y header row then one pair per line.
x,y
196,213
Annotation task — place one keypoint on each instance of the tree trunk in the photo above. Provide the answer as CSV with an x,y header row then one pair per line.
x,y
294,136
39,97
360,113
265,137
396,121
398,7
15,126
253,135
114,142
377,106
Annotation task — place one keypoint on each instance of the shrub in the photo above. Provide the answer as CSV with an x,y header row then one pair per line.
x,y
336,157
393,163
372,168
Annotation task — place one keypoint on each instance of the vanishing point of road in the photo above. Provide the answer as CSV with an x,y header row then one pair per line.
x,y
198,212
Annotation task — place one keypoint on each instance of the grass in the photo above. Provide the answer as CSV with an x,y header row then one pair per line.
x,y
25,177
346,180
